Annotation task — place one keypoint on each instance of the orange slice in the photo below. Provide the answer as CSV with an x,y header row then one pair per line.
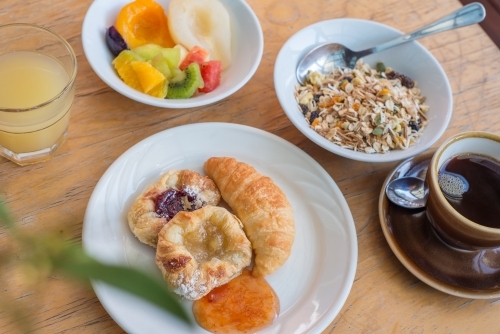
x,y
152,81
144,22
122,64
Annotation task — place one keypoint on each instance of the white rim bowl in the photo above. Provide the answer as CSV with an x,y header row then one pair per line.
x,y
247,52
411,59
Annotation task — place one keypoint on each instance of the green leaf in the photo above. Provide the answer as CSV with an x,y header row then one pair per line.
x,y
5,217
80,265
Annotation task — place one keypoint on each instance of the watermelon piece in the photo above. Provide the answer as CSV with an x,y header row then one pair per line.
x,y
210,72
196,54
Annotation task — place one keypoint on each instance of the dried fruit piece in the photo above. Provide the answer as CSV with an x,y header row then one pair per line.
x,y
144,22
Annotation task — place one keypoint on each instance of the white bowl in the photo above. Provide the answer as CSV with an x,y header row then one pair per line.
x,y
247,45
410,59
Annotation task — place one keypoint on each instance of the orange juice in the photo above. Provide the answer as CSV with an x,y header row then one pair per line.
x,y
28,80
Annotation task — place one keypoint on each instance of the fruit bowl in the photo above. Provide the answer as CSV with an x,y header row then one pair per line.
x,y
410,59
247,47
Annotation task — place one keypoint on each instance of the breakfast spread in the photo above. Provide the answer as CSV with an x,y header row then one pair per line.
x,y
202,249
176,190
263,208
201,246
364,109
174,56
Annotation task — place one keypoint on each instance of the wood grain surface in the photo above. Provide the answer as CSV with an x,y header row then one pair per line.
x,y
385,297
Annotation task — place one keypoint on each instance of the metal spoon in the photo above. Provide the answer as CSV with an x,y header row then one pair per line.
x,y
324,57
409,192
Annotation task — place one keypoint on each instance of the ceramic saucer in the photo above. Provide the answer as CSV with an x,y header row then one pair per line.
x,y
468,274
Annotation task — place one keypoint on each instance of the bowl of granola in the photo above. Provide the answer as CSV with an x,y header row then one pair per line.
x,y
393,105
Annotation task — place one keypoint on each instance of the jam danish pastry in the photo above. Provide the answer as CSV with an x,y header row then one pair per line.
x,y
176,190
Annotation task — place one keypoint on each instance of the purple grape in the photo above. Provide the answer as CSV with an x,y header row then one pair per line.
x,y
115,41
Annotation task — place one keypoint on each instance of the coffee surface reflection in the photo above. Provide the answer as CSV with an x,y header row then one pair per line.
x,y
471,184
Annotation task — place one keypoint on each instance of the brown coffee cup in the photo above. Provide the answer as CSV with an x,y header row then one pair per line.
x,y
454,228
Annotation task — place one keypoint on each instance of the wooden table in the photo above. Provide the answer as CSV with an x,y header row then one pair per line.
x,y
385,297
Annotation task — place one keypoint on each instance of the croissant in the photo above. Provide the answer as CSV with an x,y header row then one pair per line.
x,y
261,206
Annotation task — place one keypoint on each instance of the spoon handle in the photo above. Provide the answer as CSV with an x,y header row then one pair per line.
x,y
467,15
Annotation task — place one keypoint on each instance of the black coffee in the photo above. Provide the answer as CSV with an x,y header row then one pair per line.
x,y
471,184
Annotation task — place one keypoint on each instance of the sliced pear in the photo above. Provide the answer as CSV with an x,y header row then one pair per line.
x,y
202,22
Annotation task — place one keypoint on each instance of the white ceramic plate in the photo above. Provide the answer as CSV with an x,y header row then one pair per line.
x,y
247,47
411,59
312,285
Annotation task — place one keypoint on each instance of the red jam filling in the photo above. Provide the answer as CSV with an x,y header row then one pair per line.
x,y
172,201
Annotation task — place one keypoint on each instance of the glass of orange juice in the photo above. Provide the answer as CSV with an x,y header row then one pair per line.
x,y
37,87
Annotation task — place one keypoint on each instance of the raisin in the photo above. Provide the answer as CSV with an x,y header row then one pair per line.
x,y
348,79
414,125
316,98
314,115
407,82
304,109
392,75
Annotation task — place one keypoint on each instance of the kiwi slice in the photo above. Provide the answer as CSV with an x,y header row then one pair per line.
x,y
185,84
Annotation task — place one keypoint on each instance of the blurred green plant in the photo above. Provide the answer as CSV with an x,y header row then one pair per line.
x,y
44,255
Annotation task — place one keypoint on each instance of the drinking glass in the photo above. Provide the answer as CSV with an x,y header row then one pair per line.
x,y
37,76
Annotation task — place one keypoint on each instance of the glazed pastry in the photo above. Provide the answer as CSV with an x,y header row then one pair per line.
x,y
263,208
200,250
176,190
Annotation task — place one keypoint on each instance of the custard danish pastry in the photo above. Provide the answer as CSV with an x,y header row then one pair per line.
x,y
200,250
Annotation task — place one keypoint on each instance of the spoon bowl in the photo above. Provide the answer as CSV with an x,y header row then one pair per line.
x,y
409,192
325,57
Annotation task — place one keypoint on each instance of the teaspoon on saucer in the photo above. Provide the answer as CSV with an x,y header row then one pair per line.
x,y
324,57
409,192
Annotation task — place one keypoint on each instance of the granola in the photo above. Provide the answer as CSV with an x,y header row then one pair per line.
x,y
364,109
